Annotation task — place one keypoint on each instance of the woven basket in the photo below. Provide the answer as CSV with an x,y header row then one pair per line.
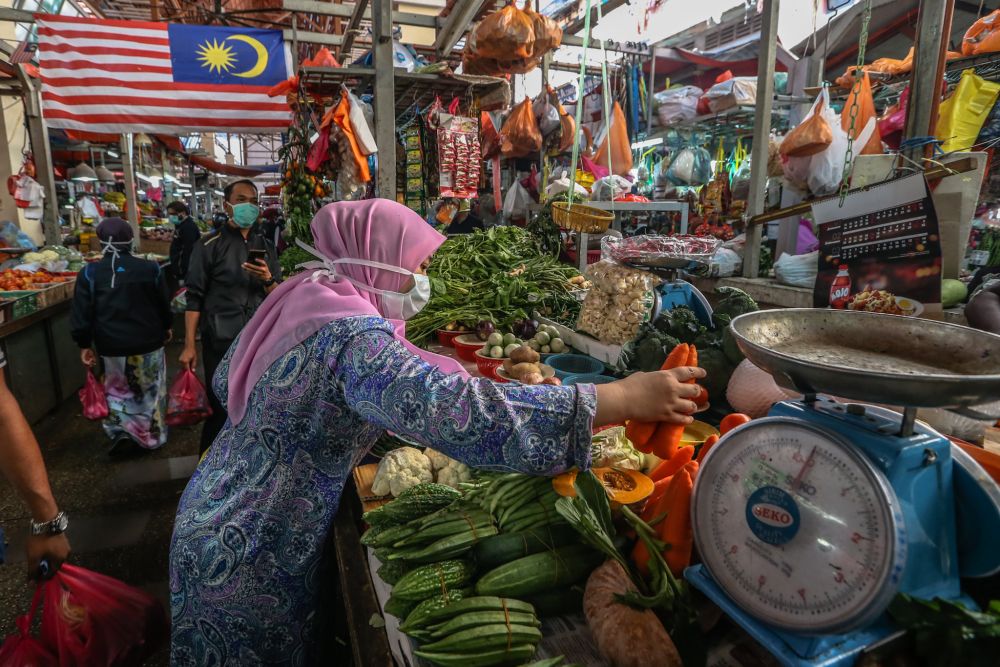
x,y
581,218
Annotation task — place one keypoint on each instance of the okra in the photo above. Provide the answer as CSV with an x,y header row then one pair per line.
x,y
512,655
447,547
479,603
481,618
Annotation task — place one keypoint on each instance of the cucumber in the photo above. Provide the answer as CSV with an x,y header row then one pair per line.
x,y
504,548
478,618
540,572
486,637
479,603
557,602
415,620
425,581
393,571
398,607
513,655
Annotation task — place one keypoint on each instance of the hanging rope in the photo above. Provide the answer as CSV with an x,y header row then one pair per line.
x,y
845,182
579,102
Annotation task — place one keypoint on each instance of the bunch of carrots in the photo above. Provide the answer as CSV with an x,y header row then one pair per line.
x,y
668,508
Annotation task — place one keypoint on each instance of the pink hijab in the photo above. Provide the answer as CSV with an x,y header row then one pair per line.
x,y
378,230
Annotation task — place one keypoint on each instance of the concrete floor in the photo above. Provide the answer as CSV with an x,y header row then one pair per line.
x,y
121,512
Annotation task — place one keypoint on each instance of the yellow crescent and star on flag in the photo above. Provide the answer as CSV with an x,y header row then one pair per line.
x,y
226,55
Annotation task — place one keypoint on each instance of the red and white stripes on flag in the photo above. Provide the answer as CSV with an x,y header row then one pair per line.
x,y
117,76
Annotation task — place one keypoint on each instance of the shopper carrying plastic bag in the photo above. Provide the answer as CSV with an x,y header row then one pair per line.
x,y
93,398
21,649
187,402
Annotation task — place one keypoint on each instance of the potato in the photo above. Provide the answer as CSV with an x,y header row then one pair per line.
x,y
522,369
532,378
508,367
524,354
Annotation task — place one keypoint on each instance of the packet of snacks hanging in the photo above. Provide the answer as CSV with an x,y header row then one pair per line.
x,y
458,154
619,301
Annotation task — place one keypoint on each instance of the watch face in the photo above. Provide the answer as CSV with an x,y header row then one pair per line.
x,y
60,524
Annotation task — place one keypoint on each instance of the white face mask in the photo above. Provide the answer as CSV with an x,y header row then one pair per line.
x,y
394,305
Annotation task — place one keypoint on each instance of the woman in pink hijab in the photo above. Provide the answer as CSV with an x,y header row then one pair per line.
x,y
318,374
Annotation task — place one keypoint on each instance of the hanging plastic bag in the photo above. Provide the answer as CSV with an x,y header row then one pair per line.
x,y
491,141
618,141
548,34
93,398
515,204
814,134
893,120
961,116
187,401
826,169
591,167
546,114
21,649
506,34
562,184
323,58
610,188
568,130
866,111
983,36
93,619
359,123
319,151
677,104
691,166
521,136
342,118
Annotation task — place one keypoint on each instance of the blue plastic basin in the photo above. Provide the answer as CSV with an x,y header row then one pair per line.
x,y
588,378
574,364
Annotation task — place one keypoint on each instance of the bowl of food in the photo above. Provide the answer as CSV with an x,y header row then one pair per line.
x,y
697,432
447,336
466,345
545,372
574,364
487,364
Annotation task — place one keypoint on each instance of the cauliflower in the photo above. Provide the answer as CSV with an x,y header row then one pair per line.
x,y
448,471
400,469
610,448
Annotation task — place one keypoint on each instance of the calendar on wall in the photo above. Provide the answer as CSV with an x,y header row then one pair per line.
x,y
880,250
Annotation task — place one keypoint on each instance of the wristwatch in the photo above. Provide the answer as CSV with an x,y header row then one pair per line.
x,y
270,282
56,526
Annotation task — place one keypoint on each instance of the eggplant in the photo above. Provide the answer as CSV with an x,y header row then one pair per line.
x,y
484,329
525,329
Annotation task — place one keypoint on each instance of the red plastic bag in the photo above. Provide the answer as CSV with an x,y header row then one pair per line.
x,y
21,649
96,620
93,399
187,402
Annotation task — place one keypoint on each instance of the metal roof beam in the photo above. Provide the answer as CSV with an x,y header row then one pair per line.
x,y
347,11
353,26
456,24
313,37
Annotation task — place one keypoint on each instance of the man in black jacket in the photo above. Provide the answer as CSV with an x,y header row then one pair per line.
x,y
121,307
186,234
230,274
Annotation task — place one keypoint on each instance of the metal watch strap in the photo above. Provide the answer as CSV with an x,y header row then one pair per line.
x,y
54,527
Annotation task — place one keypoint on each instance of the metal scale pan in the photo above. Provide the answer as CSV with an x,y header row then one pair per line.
x,y
871,357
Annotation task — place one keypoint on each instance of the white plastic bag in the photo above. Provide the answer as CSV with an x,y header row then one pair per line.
x,y
609,187
737,92
797,270
725,263
515,204
677,104
561,185
359,123
546,114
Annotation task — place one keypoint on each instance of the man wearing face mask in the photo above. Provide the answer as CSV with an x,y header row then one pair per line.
x,y
186,234
230,274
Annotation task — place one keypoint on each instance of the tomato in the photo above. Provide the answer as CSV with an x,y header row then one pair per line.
x,y
729,422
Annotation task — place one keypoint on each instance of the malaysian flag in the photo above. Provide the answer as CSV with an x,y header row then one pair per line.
x,y
139,76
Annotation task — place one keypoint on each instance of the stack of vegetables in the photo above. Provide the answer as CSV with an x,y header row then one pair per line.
x,y
472,571
500,275
718,353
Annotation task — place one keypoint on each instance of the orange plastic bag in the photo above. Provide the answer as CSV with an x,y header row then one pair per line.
x,y
548,34
866,111
620,146
520,134
983,36
341,116
323,58
491,140
812,136
505,35
568,128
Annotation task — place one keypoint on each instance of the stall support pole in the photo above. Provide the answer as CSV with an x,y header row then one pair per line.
x,y
649,91
933,31
194,193
41,150
385,99
131,199
761,134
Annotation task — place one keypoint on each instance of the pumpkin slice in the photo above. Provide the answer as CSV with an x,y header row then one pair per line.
x,y
622,485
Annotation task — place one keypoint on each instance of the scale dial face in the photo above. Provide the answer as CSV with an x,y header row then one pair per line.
x,y
798,528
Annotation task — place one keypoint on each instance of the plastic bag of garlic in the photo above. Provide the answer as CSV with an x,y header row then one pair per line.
x,y
619,301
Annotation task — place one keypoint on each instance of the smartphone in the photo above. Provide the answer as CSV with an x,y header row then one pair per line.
x,y
258,256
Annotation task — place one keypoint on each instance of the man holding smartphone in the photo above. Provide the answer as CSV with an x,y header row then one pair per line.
x,y
230,274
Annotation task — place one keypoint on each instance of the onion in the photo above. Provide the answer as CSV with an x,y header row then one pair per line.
x,y
484,329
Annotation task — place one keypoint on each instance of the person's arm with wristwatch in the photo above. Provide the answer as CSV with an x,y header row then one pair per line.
x,y
21,463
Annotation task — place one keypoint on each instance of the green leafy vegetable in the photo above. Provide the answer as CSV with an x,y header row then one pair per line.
x,y
946,633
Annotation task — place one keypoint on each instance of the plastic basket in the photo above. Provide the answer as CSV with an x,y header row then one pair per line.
x,y
581,218
25,302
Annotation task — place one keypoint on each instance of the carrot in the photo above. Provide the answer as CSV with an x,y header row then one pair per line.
x,y
653,513
652,507
639,434
673,464
640,556
678,357
676,529
667,437
707,445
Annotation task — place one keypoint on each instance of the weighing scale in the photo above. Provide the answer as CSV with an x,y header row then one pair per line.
x,y
811,520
